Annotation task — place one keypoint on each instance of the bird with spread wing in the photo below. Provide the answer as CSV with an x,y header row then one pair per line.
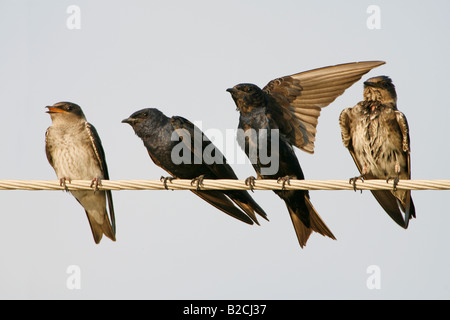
x,y
292,105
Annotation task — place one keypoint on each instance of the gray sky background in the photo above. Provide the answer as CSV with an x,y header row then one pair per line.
x,y
180,57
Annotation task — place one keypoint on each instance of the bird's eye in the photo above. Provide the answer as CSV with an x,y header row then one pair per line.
x,y
145,115
248,89
69,108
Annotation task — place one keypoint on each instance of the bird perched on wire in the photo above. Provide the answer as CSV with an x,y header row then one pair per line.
x,y
377,136
290,107
180,148
75,152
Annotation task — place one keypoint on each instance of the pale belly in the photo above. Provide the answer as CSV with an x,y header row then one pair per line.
x,y
74,159
378,150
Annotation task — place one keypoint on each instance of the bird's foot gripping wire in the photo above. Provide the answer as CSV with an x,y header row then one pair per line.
x,y
198,181
250,182
397,176
353,181
396,181
165,179
62,183
95,183
284,180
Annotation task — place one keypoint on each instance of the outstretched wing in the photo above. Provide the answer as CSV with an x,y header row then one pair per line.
x,y
295,101
100,154
218,168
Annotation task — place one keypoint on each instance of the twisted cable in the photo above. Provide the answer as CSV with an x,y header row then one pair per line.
x,y
223,184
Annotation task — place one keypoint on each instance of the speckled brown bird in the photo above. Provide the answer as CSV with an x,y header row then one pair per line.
x,y
377,136
291,105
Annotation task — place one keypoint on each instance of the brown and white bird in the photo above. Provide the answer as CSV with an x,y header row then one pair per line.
x,y
377,136
75,152
289,107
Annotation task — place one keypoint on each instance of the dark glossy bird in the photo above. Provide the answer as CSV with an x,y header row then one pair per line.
x,y
75,152
377,136
180,148
290,107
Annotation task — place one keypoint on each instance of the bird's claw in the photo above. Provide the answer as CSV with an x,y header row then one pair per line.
x,y
284,180
95,183
198,181
353,181
165,179
396,181
62,183
250,181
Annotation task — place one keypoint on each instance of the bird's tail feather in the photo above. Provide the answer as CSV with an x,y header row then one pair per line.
x,y
389,203
406,205
244,201
247,209
100,229
222,202
316,224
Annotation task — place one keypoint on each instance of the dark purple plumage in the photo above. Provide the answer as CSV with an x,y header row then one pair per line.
x,y
156,131
292,105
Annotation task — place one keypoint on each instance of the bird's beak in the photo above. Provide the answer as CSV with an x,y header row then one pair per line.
x,y
369,84
55,110
232,90
130,121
